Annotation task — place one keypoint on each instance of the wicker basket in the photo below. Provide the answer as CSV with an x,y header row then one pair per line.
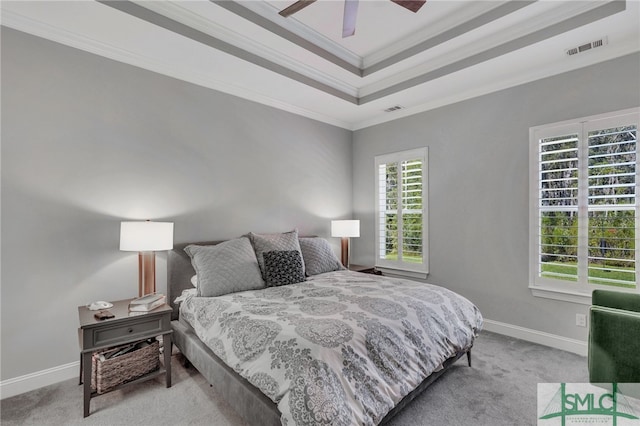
x,y
109,373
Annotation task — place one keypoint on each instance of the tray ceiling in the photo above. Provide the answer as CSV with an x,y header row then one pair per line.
x,y
397,60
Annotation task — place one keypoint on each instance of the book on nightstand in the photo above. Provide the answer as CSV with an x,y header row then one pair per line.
x,y
147,303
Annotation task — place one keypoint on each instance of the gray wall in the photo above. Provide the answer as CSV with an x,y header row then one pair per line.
x,y
478,183
88,142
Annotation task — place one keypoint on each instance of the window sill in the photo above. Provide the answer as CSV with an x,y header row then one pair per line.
x,y
402,273
564,295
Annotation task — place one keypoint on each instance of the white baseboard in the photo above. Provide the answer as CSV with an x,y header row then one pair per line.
x,y
29,382
33,381
559,342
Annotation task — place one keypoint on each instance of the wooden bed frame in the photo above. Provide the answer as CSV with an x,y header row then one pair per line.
x,y
242,396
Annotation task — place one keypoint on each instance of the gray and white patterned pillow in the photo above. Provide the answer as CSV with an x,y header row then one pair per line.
x,y
228,267
283,267
318,256
263,243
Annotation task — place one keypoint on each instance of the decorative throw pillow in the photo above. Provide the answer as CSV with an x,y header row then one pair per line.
x,y
318,256
283,267
228,267
263,243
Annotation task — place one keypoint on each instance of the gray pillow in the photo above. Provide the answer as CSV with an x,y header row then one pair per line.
x,y
263,243
318,256
228,267
283,267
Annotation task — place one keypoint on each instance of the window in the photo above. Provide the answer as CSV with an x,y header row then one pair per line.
x,y
584,215
401,211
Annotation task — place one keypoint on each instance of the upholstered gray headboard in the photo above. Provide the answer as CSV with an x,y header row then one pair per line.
x,y
180,271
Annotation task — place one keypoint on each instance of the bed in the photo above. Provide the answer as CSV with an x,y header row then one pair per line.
x,y
347,363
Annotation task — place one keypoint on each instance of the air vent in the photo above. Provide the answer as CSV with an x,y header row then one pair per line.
x,y
587,46
393,108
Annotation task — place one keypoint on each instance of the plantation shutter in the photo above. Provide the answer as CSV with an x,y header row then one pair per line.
x,y
558,205
586,203
612,155
401,195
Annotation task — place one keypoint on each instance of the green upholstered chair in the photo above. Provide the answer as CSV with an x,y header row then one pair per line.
x,y
614,337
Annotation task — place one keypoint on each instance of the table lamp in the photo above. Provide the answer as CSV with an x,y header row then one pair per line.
x,y
146,238
345,229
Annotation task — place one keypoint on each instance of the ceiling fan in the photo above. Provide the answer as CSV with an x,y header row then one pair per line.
x,y
350,11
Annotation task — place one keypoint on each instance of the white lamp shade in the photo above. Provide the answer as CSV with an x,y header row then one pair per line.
x,y
146,236
345,228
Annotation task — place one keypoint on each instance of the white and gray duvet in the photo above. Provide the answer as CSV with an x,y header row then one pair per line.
x,y
341,348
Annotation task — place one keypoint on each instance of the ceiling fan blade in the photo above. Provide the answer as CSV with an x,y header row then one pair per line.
x,y
412,5
297,6
349,18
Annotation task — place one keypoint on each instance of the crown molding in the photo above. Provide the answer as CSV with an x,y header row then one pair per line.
x,y
428,36
182,15
477,15
529,35
292,24
627,47
25,24
39,26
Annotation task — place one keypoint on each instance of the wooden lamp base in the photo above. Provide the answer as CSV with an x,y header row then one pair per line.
x,y
345,252
146,273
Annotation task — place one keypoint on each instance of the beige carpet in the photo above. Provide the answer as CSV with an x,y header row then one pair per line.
x,y
500,389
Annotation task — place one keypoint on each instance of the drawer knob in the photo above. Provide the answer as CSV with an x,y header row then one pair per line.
x,y
130,330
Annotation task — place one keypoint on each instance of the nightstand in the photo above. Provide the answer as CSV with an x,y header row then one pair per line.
x,y
365,269
124,328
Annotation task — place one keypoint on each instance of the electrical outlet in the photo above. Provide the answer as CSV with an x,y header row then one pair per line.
x,y
581,320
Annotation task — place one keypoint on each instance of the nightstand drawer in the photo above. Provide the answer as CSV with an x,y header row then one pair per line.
x,y
113,335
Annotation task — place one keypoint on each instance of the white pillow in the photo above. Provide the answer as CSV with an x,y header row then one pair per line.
x,y
186,293
194,281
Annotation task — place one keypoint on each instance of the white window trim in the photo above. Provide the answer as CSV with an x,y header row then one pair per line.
x,y
394,267
555,289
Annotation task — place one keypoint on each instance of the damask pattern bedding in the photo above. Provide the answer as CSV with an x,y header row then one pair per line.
x,y
341,348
